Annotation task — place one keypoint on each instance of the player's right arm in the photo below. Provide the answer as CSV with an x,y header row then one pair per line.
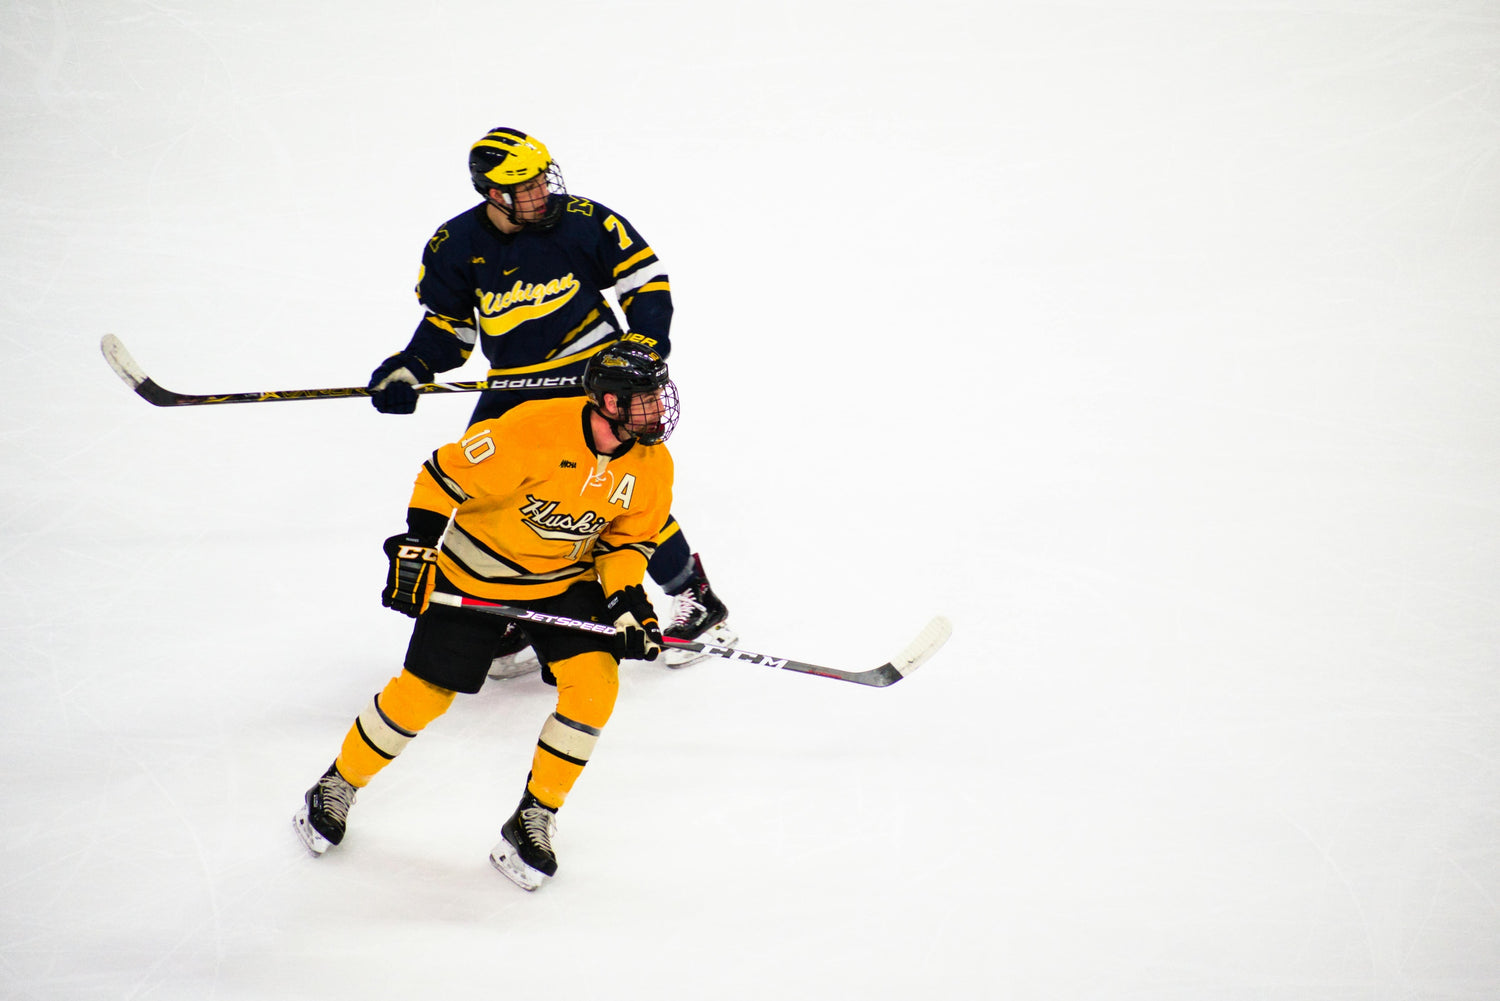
x,y
446,334
414,555
463,471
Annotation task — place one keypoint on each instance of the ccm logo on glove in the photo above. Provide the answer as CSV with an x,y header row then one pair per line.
x,y
412,573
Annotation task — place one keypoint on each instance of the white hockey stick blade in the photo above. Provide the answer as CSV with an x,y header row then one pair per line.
x,y
119,359
928,642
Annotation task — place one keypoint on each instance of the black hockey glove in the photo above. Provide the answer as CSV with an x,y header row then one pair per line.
x,y
391,384
640,634
409,580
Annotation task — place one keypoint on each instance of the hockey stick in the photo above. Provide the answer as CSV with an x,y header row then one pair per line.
x,y
135,377
933,636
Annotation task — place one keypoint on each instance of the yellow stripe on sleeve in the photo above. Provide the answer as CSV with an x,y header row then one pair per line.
x,y
633,260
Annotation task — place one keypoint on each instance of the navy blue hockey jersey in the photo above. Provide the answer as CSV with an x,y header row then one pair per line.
x,y
533,301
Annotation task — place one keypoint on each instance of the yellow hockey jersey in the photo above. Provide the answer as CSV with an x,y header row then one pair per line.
x,y
536,509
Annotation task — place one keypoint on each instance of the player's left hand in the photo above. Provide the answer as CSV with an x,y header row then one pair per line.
x,y
640,633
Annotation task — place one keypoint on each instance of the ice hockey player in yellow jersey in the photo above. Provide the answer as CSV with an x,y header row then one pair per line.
x,y
554,506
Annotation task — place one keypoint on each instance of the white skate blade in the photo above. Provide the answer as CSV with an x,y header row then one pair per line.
x,y
315,842
508,861
514,665
719,635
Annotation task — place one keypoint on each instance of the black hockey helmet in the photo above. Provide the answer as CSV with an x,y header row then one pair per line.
x,y
507,158
627,370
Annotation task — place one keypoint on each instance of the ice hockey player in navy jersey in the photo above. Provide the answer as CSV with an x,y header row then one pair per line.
x,y
523,276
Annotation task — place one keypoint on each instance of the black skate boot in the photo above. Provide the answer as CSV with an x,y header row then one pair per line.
x,y
515,656
325,811
524,852
697,615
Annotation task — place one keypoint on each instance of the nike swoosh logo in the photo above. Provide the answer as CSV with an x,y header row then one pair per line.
x,y
511,271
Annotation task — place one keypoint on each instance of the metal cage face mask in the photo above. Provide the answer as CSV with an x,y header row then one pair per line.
x,y
663,422
556,198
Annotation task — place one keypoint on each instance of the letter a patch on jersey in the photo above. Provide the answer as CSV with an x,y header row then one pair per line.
x,y
624,491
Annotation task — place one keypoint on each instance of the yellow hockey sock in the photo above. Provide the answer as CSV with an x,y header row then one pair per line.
x,y
587,686
390,721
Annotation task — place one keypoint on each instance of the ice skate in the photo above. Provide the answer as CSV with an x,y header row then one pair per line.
x,y
515,657
698,616
325,811
524,852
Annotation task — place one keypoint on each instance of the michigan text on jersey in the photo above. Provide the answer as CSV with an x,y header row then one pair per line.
x,y
500,312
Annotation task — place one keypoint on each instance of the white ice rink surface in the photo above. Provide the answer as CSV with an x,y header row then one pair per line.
x,y
1155,343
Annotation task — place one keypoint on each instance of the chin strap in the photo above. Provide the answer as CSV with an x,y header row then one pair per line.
x,y
622,433
508,209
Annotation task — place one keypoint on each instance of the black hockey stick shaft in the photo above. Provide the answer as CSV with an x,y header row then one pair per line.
x,y
925,645
135,377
